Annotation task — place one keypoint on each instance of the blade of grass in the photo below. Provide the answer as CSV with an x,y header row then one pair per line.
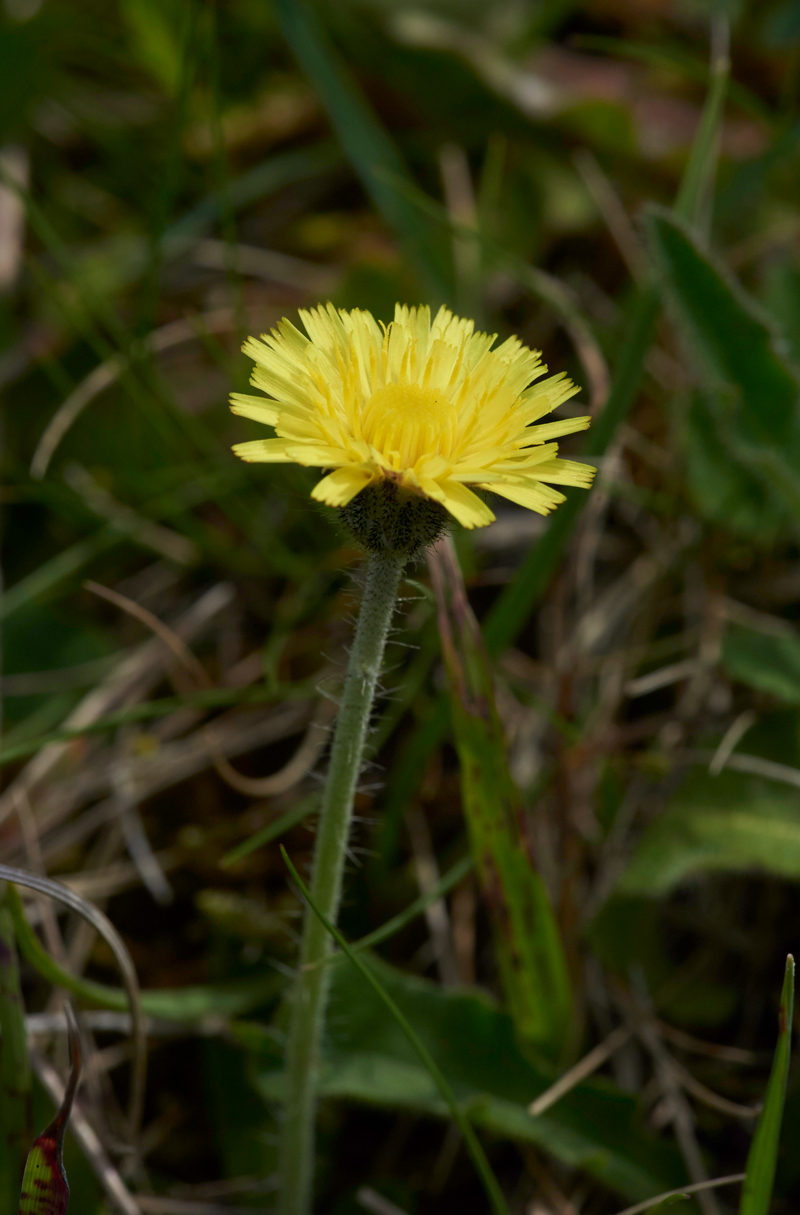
x,y
369,147
283,169
182,1004
763,1155
15,1075
652,1204
272,831
213,698
398,922
694,196
675,58
58,569
514,606
471,1141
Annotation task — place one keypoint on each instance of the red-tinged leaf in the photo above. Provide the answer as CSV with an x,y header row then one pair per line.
x,y
530,955
45,1190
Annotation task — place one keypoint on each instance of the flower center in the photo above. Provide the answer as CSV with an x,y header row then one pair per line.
x,y
405,422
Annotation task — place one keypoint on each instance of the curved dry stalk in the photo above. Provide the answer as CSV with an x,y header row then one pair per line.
x,y
178,646
585,1067
697,1188
315,740
708,1097
307,754
134,674
101,924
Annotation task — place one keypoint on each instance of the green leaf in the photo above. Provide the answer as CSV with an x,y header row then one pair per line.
x,y
740,357
782,298
723,488
757,1191
368,1059
764,661
45,1190
730,822
473,1145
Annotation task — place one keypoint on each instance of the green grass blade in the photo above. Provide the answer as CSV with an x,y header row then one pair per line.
x,y
529,951
364,139
15,1077
694,195
272,831
675,58
471,1141
212,698
739,357
178,1004
531,580
398,922
281,170
761,1161
58,569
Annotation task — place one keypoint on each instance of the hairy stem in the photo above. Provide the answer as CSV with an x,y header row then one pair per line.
x,y
311,988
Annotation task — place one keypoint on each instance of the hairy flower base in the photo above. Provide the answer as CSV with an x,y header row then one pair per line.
x,y
386,518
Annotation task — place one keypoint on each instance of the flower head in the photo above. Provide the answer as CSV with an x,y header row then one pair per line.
x,y
426,408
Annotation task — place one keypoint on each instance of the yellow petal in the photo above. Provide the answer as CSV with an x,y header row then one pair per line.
x,y
533,496
464,505
566,472
258,408
290,451
554,430
265,451
339,487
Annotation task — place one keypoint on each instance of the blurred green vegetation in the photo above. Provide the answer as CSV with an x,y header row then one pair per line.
x,y
177,175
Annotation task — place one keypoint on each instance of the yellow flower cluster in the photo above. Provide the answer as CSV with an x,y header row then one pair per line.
x,y
427,405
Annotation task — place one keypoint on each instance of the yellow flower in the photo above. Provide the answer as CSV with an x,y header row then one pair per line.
x,y
426,405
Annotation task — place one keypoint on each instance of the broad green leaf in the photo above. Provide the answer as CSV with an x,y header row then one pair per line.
x,y
740,356
730,822
15,1077
45,1190
530,956
782,298
723,488
367,1059
764,661
757,1192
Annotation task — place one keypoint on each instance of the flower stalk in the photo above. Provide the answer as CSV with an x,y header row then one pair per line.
x,y
311,987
